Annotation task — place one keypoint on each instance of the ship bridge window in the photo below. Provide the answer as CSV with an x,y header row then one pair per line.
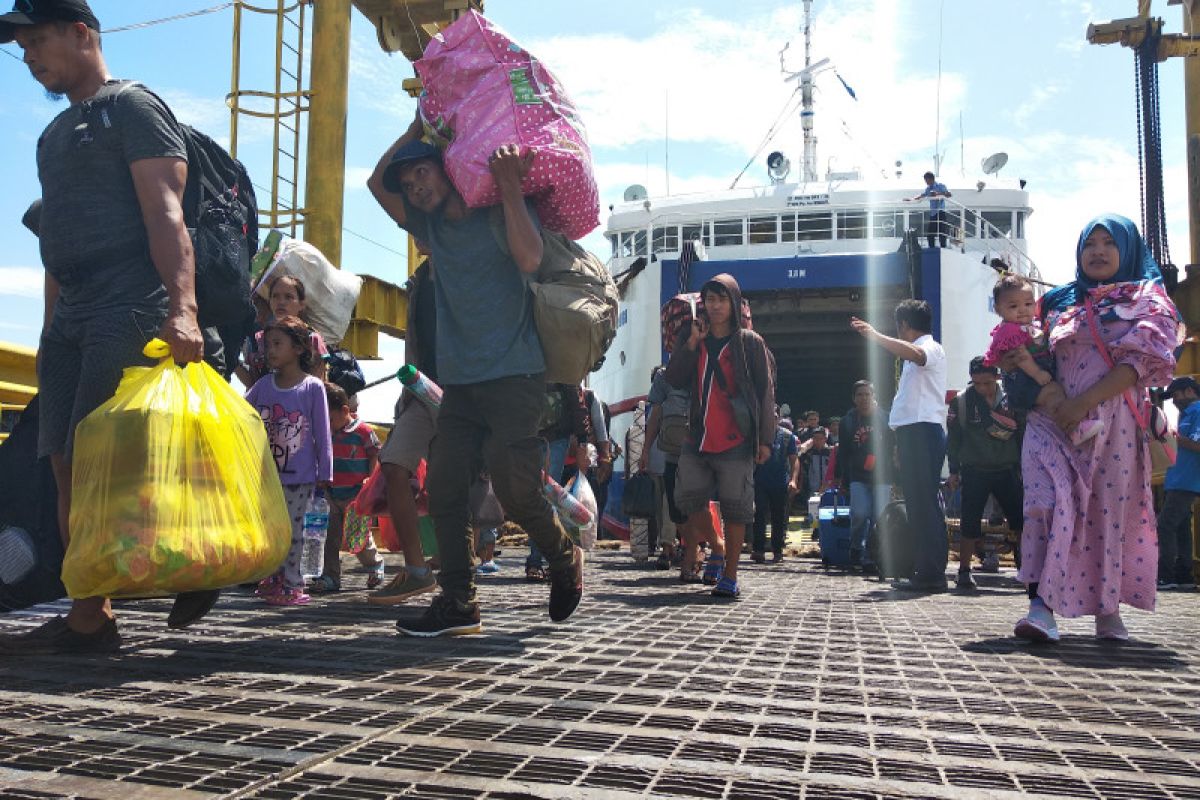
x,y
969,222
633,243
764,230
999,224
693,232
852,225
612,238
665,240
813,227
728,232
1020,225
887,224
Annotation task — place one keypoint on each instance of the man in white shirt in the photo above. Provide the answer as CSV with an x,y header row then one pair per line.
x,y
919,420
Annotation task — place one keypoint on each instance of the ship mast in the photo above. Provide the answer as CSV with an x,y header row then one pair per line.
x,y
806,98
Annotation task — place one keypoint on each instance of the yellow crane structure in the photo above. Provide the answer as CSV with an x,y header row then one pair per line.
x,y
311,90
1132,32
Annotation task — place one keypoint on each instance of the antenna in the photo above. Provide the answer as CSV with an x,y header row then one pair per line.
x,y
667,137
805,76
994,163
636,192
937,136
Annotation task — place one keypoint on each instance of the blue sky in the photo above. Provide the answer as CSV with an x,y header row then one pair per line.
x,y
1017,76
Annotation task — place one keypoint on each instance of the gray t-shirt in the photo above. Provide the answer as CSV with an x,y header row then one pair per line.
x,y
485,326
93,239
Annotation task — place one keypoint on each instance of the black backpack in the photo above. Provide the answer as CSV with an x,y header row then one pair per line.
x,y
29,501
343,369
221,215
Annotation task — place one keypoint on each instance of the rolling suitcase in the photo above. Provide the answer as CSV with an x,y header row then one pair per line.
x,y
833,521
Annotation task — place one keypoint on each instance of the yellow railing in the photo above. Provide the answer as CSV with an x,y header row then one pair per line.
x,y
18,381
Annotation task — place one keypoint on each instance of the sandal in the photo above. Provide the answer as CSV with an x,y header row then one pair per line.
x,y
689,575
535,574
714,566
324,584
375,575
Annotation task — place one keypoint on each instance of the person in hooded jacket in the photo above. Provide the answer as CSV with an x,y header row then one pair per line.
x,y
732,423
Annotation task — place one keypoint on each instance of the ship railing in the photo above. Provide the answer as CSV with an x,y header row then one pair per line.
x,y
818,228
996,247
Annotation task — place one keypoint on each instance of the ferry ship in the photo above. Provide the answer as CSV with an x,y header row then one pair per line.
x,y
809,254
808,259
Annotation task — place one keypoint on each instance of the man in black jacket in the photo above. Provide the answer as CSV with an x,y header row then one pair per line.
x,y
863,457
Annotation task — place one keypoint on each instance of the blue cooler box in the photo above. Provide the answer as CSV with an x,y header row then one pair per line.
x,y
833,519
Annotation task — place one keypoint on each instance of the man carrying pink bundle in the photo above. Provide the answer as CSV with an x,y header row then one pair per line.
x,y
1032,384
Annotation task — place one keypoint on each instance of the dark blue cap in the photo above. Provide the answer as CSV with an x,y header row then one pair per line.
x,y
413,151
1179,384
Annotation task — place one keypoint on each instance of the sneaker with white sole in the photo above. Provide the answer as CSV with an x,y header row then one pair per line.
x,y
404,586
1038,625
445,616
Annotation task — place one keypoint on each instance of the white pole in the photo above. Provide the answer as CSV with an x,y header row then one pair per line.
x,y
806,97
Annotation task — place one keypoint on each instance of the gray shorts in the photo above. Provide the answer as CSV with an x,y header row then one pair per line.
x,y
411,436
80,362
728,476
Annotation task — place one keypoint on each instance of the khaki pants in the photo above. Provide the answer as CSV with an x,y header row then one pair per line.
x,y
496,420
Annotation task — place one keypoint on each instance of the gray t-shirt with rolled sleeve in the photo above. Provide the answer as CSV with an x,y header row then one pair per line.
x,y
485,327
93,238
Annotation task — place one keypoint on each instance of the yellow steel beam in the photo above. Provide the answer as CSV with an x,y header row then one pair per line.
x,y
326,182
16,393
1191,93
18,366
406,26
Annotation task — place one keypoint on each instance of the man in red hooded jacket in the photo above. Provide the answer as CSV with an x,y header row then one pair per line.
x,y
732,423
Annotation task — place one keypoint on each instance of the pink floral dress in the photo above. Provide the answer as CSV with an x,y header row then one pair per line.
x,y
1089,540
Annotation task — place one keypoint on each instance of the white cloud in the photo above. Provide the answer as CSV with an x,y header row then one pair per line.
x,y
1039,97
22,281
726,87
202,113
356,177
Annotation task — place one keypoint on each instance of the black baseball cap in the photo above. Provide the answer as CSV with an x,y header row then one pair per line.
x,y
36,12
413,151
1179,384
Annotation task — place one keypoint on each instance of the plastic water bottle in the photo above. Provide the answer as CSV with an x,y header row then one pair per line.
x,y
316,525
570,509
416,382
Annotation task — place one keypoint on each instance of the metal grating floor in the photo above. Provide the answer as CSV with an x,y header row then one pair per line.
x,y
814,685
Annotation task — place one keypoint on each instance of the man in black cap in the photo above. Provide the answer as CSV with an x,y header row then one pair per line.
x,y
118,259
490,364
984,449
1181,488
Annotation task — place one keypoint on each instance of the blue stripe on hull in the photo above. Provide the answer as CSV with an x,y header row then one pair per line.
x,y
797,272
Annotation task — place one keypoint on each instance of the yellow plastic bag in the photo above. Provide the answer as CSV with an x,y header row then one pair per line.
x,y
173,488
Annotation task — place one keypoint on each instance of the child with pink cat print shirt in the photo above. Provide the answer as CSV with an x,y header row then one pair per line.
x,y
292,405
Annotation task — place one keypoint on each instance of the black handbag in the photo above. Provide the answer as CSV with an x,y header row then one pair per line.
x,y
638,499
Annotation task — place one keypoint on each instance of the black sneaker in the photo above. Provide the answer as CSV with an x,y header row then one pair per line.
x,y
445,616
190,607
965,582
57,638
566,589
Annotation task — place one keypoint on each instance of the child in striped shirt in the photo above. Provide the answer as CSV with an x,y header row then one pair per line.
x,y
355,451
